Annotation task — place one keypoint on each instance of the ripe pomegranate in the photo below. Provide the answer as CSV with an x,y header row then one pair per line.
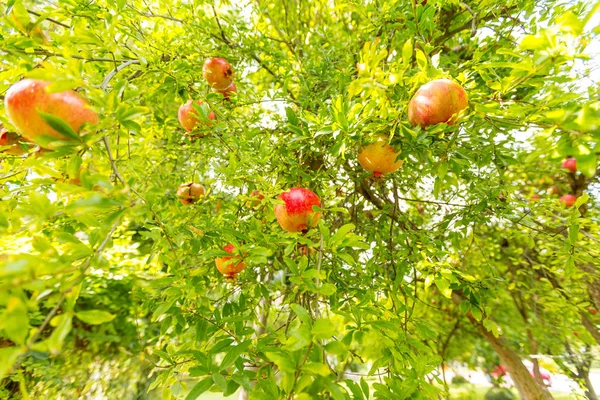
x,y
379,157
258,198
189,193
189,118
437,101
570,164
554,190
296,213
218,73
568,200
25,98
226,92
304,250
11,139
592,311
230,266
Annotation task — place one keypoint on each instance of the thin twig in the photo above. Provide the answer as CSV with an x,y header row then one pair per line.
x,y
49,19
46,53
115,72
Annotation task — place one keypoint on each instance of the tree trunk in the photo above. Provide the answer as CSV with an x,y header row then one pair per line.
x,y
259,327
589,325
590,393
593,283
526,385
591,328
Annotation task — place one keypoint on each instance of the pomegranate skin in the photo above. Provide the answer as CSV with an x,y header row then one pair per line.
x,y
379,157
296,212
188,117
218,73
189,193
568,200
25,98
438,101
230,266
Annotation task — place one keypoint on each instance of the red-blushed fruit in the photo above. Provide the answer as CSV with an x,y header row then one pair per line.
x,y
437,101
568,200
257,197
304,250
226,92
218,73
296,213
576,334
554,190
25,98
189,118
230,266
11,139
189,193
420,208
379,157
592,311
570,164
535,198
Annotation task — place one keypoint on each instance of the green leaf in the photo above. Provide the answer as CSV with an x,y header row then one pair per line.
x,y
327,289
324,231
587,164
365,387
14,322
164,355
491,326
323,329
421,60
444,286
233,354
59,333
476,313
129,113
8,356
573,233
220,381
60,126
314,368
355,389
200,388
95,317
341,234
581,200
568,22
407,51
532,42
301,313
283,361
335,390
336,347
291,116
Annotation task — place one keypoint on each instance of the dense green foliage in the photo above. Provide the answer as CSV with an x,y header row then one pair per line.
x,y
108,284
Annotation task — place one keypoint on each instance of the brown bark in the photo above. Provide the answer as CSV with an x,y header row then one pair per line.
x,y
593,283
528,388
589,325
259,327
519,303
590,393
582,363
591,328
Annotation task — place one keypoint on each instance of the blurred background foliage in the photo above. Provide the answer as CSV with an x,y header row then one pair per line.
x,y
108,284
